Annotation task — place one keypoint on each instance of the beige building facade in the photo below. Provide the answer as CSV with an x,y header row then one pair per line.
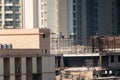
x,y
25,39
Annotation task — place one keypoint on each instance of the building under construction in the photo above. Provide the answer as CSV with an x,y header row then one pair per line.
x,y
101,57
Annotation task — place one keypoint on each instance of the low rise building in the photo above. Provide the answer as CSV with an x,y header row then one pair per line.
x,y
25,55
26,39
26,64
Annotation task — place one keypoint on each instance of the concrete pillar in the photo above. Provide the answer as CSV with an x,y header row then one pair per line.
x,y
100,62
12,65
62,62
12,77
23,77
23,64
1,67
34,65
1,78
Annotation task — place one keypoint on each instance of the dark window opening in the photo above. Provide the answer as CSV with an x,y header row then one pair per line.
x,y
45,50
119,58
44,35
112,59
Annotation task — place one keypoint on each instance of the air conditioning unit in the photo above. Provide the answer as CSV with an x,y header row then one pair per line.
x,y
5,46
9,46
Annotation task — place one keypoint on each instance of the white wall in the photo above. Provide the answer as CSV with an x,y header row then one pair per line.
x,y
52,15
28,13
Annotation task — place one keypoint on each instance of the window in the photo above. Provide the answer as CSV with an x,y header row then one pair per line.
x,y
118,58
42,7
17,1
45,50
17,23
74,22
74,7
8,8
0,23
96,10
96,4
44,35
74,29
8,15
0,8
74,1
8,23
74,15
112,59
96,15
42,14
8,1
0,15
17,8
42,22
17,16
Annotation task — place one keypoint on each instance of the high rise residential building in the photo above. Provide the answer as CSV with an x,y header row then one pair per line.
x,y
10,14
90,17
118,16
28,14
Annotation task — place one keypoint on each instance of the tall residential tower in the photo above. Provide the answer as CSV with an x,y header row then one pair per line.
x,y
28,14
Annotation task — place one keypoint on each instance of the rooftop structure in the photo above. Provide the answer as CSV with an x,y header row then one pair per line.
x,y
25,39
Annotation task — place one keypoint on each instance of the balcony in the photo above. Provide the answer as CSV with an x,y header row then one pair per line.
x,y
9,12
8,4
9,19
9,27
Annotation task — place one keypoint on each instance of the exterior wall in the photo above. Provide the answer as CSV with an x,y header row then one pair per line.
x,y
26,38
104,17
62,18
23,77
28,13
70,16
48,76
12,77
45,42
52,14
20,38
47,73
48,66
